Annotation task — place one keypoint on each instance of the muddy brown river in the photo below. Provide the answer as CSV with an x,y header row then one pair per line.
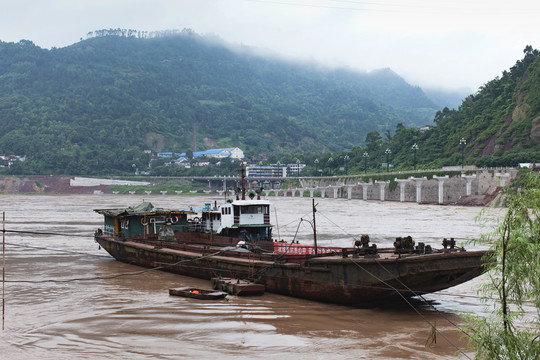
x,y
67,299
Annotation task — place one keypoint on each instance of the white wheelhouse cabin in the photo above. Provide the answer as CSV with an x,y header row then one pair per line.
x,y
247,219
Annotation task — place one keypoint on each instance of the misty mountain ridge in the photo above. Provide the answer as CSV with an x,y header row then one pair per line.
x,y
106,99
442,97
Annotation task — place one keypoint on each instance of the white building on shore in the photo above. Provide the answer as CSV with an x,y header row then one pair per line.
x,y
233,153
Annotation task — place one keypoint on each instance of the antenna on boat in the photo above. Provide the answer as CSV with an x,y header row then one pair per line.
x,y
314,225
277,224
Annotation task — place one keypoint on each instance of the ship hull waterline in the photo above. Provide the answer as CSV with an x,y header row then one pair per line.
x,y
349,281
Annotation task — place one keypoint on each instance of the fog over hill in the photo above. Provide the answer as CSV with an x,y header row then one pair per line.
x,y
99,105
106,99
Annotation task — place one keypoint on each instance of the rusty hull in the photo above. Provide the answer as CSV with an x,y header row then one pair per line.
x,y
362,281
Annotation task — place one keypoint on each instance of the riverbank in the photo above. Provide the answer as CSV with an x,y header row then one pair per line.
x,y
43,184
477,189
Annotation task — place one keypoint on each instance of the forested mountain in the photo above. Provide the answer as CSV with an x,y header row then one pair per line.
x,y
500,123
497,126
95,106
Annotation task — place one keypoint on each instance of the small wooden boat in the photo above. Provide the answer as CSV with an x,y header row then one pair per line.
x,y
203,294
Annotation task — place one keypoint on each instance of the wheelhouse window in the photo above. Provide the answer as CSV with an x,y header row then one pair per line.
x,y
254,209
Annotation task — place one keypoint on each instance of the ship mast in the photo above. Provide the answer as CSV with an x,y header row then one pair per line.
x,y
243,182
243,171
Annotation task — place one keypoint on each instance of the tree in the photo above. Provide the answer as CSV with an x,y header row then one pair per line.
x,y
189,155
373,140
441,115
514,279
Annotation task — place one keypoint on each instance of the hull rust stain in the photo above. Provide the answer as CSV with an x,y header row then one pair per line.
x,y
351,281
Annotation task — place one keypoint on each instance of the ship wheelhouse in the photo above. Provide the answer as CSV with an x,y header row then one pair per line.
x,y
245,219
251,212
251,219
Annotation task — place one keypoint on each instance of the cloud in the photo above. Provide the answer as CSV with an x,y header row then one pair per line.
x,y
448,44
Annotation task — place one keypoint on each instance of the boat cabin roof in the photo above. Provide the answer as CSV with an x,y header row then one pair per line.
x,y
250,202
144,208
213,210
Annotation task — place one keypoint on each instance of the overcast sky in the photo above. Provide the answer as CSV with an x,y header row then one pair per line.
x,y
442,43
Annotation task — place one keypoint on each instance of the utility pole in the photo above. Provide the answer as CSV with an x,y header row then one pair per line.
x,y
387,152
463,143
415,148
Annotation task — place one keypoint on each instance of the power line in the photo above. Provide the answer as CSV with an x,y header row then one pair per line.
x,y
450,8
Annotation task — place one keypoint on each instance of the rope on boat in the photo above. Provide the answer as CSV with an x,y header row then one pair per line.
x,y
58,250
61,234
113,276
416,310
261,270
295,220
423,299
45,233
165,265
336,225
277,224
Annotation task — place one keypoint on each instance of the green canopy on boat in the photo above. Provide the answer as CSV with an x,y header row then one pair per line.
x,y
144,207
141,209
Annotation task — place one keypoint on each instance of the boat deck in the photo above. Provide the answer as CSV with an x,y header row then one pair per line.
x,y
241,255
